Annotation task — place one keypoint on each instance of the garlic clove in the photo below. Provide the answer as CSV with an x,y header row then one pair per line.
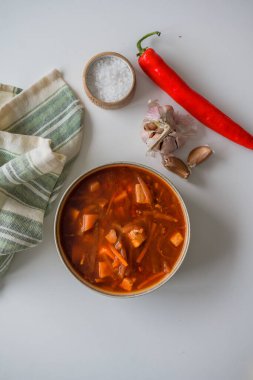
x,y
150,126
176,166
199,155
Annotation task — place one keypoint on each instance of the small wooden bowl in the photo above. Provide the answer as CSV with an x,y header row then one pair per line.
x,y
109,105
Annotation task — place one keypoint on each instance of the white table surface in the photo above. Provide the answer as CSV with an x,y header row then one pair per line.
x,y
199,325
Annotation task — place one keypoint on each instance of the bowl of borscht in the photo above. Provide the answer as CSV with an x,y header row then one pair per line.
x,y
122,229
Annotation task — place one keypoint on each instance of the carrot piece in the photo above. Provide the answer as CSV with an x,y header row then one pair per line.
x,y
88,221
118,255
99,280
176,239
159,215
94,186
145,190
111,236
120,197
104,270
150,279
144,251
106,251
127,284
74,213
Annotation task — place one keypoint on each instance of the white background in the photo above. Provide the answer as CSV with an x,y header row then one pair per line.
x,y
199,325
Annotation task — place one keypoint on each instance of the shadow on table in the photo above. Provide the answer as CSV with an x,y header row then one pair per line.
x,y
208,260
212,241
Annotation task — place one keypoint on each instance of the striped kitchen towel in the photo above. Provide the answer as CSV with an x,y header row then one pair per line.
x,y
40,136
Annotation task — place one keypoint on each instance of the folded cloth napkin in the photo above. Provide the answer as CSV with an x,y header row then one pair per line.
x,y
40,136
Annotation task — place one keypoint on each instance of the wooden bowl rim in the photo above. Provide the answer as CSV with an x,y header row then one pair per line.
x,y
98,101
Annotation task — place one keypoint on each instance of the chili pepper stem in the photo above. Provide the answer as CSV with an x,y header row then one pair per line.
x,y
139,47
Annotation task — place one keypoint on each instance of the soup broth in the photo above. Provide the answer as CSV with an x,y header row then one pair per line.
x,y
122,229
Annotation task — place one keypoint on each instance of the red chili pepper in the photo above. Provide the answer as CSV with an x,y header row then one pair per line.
x,y
168,80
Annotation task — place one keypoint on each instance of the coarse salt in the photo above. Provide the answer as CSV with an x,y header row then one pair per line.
x,y
109,79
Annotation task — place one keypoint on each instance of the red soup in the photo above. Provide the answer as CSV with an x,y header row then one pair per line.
x,y
122,229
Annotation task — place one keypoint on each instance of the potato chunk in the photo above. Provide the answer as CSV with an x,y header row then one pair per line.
x,y
127,284
140,195
176,239
137,236
104,269
111,236
88,222
74,213
94,186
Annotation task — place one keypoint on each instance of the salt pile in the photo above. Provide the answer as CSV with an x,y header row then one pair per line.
x,y
109,79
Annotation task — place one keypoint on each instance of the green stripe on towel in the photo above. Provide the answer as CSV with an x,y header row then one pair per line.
x,y
40,137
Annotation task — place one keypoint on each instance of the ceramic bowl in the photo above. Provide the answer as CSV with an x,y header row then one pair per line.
x,y
68,263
